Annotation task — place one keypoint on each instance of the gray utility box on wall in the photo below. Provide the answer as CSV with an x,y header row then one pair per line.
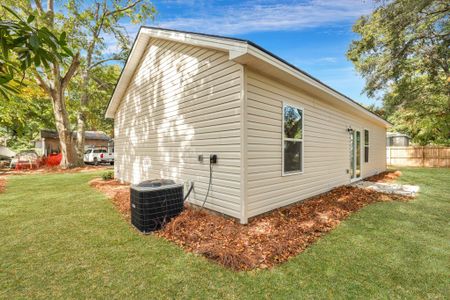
x,y
154,202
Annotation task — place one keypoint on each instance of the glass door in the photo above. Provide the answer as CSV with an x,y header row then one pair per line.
x,y
355,155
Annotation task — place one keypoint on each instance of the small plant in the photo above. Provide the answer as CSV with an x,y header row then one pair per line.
x,y
108,175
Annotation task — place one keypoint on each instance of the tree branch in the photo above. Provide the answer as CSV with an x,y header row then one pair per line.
x,y
71,71
39,6
41,82
124,8
95,64
50,14
103,85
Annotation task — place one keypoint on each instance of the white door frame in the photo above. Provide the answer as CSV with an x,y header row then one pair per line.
x,y
353,146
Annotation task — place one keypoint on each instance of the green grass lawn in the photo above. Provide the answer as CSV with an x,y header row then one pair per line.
x,y
61,239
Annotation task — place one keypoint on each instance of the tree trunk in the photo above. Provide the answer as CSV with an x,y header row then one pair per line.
x,y
81,128
69,157
81,115
54,86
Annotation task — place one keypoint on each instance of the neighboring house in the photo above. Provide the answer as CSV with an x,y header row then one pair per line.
x,y
280,135
6,152
395,139
48,143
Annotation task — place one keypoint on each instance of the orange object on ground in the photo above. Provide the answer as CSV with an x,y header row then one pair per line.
x,y
53,160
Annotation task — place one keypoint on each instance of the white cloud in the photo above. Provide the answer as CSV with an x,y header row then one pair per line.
x,y
328,59
270,16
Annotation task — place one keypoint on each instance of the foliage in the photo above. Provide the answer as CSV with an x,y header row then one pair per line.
x,y
22,115
80,247
92,23
78,87
426,118
96,26
101,86
403,53
108,175
379,111
24,44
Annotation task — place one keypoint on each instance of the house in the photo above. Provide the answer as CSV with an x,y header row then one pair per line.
x,y
48,142
279,134
6,152
395,139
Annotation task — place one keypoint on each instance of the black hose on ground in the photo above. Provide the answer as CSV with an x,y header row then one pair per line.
x,y
189,191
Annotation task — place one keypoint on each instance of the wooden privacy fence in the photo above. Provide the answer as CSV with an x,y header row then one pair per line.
x,y
418,156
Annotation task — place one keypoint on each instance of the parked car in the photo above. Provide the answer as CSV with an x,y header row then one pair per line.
x,y
27,159
5,161
98,155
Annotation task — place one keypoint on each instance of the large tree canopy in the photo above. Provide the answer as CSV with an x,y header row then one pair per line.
x,y
23,114
76,85
23,44
403,54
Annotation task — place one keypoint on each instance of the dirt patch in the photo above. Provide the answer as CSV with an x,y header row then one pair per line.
x,y
387,176
267,240
118,192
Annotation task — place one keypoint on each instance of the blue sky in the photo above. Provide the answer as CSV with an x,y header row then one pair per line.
x,y
311,34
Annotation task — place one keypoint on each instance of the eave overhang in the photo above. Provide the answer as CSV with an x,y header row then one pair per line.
x,y
243,52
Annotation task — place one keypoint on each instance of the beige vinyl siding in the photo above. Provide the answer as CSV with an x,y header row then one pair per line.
x,y
181,102
326,145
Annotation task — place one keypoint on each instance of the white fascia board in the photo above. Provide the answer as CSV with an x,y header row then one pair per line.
x,y
216,43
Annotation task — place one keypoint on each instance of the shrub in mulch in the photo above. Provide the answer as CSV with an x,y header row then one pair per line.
x,y
108,175
267,240
386,176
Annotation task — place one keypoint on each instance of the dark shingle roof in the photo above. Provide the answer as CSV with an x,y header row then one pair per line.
x,y
91,135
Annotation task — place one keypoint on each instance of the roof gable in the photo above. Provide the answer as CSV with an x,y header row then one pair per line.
x,y
242,51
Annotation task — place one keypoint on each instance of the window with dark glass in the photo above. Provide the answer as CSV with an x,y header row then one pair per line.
x,y
292,139
366,145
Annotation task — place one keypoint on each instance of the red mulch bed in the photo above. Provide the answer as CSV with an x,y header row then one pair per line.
x,y
267,240
118,192
2,184
387,176
271,239
56,169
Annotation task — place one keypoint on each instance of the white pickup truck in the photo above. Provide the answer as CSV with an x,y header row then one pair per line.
x,y
98,155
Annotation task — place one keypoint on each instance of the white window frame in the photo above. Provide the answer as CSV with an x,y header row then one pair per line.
x,y
291,139
368,146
